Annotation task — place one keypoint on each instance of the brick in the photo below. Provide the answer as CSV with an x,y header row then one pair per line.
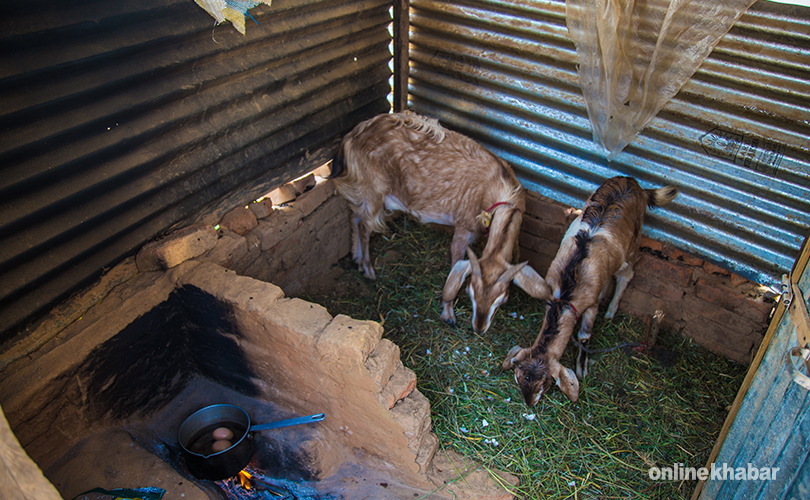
x,y
427,450
737,280
538,261
261,269
398,387
651,244
253,252
349,340
673,253
697,311
413,414
329,186
334,212
312,199
536,227
714,269
691,260
541,246
720,297
655,286
323,171
252,295
529,241
281,195
719,339
732,299
547,211
239,220
663,270
228,250
262,208
382,362
176,248
277,226
302,184
640,303
462,478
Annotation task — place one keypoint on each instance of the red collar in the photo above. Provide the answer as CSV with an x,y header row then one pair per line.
x,y
493,207
574,309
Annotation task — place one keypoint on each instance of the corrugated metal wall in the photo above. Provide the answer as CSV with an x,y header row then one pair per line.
x,y
735,140
119,120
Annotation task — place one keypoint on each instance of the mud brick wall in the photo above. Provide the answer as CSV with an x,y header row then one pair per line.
x,y
293,237
718,309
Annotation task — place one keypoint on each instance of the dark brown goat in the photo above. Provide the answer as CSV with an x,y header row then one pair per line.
x,y
602,242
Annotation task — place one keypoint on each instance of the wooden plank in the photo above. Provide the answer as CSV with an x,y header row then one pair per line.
x,y
20,477
401,59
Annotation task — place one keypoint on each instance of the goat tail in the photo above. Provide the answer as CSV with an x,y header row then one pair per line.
x,y
338,164
661,196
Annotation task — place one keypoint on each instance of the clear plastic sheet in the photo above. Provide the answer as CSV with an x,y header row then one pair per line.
x,y
634,56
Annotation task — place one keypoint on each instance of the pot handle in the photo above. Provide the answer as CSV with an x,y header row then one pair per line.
x,y
286,423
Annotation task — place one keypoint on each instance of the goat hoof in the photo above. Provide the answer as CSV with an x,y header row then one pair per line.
x,y
451,322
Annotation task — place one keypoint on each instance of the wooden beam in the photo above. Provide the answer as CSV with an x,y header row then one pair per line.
x,y
401,28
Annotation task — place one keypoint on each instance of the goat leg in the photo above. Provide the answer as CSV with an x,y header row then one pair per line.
x,y
623,277
462,238
455,279
584,337
360,243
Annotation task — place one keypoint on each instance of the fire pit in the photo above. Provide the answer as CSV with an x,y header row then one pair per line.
x,y
101,406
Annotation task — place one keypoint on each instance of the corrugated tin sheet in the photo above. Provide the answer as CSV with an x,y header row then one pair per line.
x,y
735,140
119,120
771,428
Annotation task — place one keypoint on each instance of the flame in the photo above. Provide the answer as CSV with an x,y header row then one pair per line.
x,y
244,478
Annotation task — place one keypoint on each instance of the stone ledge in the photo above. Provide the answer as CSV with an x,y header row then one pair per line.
x,y
349,339
176,248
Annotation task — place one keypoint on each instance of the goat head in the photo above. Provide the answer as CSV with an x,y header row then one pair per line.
x,y
489,287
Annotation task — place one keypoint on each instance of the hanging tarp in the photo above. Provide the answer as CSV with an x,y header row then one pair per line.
x,y
635,55
231,10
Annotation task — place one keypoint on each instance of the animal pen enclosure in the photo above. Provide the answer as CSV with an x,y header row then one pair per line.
x,y
122,123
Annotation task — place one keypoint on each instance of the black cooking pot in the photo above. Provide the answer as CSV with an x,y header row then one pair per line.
x,y
203,459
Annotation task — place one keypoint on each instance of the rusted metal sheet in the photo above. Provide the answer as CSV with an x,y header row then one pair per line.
x,y
735,140
120,120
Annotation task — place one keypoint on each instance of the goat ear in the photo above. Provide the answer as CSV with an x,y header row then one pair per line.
x,y
511,271
531,282
515,356
568,383
455,279
476,269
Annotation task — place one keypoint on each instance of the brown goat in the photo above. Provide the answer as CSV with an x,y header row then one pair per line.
x,y
602,242
410,163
